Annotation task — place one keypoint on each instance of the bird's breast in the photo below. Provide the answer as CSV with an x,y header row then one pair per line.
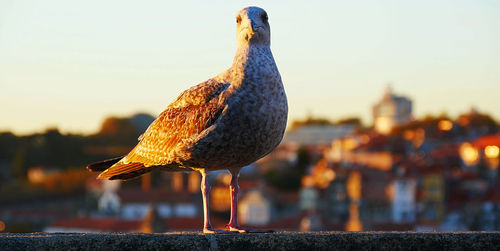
x,y
253,122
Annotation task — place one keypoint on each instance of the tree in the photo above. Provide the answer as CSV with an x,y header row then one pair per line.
x,y
311,121
290,177
350,121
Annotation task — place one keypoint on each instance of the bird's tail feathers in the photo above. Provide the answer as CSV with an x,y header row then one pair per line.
x,y
124,171
103,165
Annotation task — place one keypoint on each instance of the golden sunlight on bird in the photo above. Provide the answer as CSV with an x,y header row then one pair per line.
x,y
226,122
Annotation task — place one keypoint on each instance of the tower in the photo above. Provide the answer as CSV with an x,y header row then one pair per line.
x,y
391,111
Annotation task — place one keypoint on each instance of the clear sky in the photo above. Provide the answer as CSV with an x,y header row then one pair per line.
x,y
70,64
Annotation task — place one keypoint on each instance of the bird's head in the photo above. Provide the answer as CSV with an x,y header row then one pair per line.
x,y
252,27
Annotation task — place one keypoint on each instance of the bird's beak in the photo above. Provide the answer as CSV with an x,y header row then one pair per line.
x,y
249,26
253,25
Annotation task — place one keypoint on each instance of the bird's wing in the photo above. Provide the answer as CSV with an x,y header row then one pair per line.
x,y
187,117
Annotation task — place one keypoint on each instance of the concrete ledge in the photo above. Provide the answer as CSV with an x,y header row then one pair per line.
x,y
275,241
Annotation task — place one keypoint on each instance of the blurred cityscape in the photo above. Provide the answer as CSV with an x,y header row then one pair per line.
x,y
400,173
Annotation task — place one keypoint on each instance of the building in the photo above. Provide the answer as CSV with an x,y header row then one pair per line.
x,y
433,197
136,203
361,150
109,202
254,209
391,111
404,201
316,135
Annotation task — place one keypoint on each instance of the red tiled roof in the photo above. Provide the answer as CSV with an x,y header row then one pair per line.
x,y
186,223
37,213
154,196
122,225
487,140
171,224
99,224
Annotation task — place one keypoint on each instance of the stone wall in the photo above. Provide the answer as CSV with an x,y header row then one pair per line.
x,y
275,241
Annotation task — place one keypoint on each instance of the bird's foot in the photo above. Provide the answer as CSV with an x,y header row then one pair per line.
x,y
241,230
210,230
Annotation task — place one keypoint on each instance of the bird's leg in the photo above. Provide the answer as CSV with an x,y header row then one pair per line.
x,y
234,189
205,191
233,222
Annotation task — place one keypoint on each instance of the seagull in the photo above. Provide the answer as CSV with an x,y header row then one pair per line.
x,y
224,123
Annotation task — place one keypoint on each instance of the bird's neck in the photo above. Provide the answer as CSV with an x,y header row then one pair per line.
x,y
248,61
246,52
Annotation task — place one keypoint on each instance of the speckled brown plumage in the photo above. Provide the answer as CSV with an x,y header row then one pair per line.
x,y
226,122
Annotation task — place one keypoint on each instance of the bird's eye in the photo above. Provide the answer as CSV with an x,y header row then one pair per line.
x,y
264,17
238,19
